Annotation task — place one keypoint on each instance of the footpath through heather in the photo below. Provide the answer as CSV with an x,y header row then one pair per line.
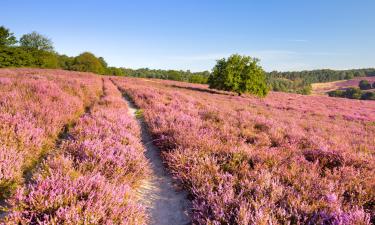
x,y
164,203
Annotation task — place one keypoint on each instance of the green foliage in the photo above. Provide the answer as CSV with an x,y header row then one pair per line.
x,y
115,71
179,75
364,85
300,81
6,37
65,62
88,62
198,79
353,93
15,57
36,41
337,93
306,90
20,57
321,76
240,74
44,59
368,96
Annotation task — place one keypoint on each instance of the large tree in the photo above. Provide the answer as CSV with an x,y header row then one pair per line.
x,y
36,41
240,74
88,62
6,37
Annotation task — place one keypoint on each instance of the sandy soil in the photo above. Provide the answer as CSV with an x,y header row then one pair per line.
x,y
164,203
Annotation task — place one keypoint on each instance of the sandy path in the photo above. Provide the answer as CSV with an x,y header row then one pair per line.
x,y
164,204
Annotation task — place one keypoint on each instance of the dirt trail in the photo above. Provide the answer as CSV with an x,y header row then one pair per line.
x,y
164,204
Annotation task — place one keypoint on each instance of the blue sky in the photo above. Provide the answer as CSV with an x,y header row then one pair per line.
x,y
285,35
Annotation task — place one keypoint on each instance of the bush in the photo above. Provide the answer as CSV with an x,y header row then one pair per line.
x,y
368,96
364,85
240,74
353,93
337,93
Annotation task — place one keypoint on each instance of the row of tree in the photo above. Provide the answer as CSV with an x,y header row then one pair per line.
x,y
325,75
36,50
300,82
179,75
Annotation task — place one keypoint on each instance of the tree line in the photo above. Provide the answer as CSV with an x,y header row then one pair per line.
x,y
300,81
361,92
36,50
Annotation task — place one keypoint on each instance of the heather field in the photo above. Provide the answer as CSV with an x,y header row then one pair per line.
x,y
284,159
90,177
73,153
35,105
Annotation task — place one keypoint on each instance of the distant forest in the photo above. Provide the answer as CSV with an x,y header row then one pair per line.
x,y
36,50
300,82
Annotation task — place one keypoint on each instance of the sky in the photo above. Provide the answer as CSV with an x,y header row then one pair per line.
x,y
286,35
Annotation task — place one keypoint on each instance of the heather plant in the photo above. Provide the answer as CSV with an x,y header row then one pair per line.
x,y
31,116
284,159
90,178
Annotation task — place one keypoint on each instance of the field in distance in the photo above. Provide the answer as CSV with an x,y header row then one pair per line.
x,y
324,88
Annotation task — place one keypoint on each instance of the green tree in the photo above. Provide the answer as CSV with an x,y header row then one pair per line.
x,y
103,62
115,71
15,57
6,37
65,62
37,41
240,74
88,62
44,59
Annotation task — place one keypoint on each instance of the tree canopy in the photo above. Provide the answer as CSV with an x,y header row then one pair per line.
x,y
37,41
6,37
88,62
240,74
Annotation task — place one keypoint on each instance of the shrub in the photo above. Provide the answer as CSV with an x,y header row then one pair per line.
x,y
364,85
353,93
368,96
337,93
